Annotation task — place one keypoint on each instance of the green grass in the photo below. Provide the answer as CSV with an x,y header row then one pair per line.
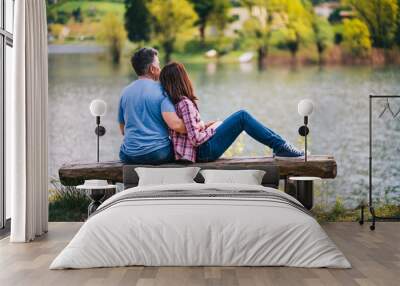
x,y
340,214
67,204
199,58
90,9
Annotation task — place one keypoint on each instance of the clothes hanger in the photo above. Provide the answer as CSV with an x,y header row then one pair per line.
x,y
387,107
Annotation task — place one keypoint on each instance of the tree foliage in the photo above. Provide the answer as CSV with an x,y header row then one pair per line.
x,y
356,38
220,15
171,18
204,9
137,20
77,14
297,23
397,36
290,18
287,24
211,11
257,30
380,16
323,35
113,33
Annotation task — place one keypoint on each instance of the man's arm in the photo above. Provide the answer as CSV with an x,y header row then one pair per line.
x,y
122,128
121,119
174,122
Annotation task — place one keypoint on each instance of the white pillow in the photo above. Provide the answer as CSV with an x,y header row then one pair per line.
x,y
166,176
248,177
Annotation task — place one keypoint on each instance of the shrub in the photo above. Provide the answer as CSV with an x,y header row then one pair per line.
x,y
222,45
56,30
66,203
337,212
356,38
197,46
338,33
62,17
388,210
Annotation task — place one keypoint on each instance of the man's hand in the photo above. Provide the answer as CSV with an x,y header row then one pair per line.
x,y
122,128
174,122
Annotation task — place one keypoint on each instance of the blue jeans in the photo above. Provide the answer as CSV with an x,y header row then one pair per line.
x,y
157,157
230,129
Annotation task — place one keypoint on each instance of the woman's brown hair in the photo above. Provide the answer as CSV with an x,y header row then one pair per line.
x,y
176,82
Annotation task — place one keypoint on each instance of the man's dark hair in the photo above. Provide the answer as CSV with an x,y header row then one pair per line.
x,y
142,59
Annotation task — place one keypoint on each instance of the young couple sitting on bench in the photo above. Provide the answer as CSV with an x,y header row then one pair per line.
x,y
161,123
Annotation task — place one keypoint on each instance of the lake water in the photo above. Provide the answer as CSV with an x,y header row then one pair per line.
x,y
339,124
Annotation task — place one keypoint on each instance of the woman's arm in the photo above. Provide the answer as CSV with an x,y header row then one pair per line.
x,y
196,135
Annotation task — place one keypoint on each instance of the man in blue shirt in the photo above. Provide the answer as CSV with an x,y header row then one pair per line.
x,y
145,114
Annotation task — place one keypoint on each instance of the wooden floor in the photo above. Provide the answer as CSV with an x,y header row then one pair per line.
x,y
375,257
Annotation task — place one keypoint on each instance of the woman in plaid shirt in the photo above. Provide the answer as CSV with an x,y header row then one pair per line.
x,y
205,142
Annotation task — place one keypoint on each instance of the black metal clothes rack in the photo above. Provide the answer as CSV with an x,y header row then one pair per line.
x,y
370,200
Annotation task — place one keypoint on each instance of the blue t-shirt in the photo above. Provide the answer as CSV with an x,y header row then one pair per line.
x,y
140,108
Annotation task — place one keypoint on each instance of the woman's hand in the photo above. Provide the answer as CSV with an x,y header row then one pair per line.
x,y
201,125
209,123
214,124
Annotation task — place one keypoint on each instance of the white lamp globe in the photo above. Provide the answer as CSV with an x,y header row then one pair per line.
x,y
98,107
305,107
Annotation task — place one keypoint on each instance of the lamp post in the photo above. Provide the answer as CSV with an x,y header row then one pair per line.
x,y
98,108
305,108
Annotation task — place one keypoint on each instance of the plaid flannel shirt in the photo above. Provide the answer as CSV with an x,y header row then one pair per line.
x,y
185,145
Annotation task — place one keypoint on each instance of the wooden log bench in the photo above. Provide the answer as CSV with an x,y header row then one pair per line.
x,y
72,174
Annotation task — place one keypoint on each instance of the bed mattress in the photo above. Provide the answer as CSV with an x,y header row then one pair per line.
x,y
201,225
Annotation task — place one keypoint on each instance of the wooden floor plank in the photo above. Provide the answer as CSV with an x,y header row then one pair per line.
x,y
375,257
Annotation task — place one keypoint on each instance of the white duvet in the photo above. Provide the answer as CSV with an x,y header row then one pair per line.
x,y
190,231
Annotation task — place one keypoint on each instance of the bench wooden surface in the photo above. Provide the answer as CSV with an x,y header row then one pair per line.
x,y
323,166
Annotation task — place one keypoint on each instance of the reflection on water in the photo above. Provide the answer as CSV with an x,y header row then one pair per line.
x,y
339,124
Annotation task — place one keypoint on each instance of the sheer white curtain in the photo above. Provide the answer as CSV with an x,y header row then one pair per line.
x,y
26,121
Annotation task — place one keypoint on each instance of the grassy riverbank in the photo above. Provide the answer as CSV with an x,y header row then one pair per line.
x,y
72,206
277,57
69,204
79,11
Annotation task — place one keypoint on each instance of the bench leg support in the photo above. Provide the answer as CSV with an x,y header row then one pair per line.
x,y
303,191
96,197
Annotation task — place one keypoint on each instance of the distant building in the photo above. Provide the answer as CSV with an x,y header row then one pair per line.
x,y
326,9
240,15
346,14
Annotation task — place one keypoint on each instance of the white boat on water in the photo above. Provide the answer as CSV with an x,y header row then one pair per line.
x,y
211,53
246,57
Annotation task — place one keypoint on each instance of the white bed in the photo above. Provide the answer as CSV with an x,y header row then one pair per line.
x,y
247,225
